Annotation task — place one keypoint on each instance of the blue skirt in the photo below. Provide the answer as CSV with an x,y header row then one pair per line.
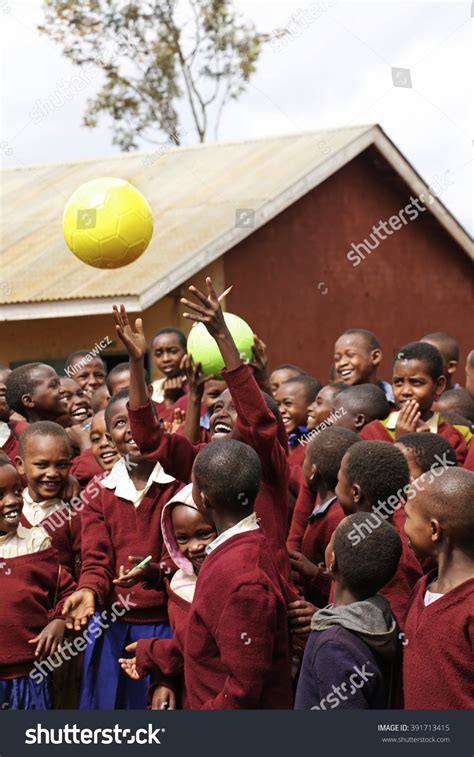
x,y
104,684
25,694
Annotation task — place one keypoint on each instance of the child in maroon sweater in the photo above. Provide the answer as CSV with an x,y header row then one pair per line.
x,y
418,381
34,391
237,651
374,478
101,456
323,458
33,587
121,525
439,629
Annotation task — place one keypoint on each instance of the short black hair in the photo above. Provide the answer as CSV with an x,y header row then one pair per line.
x,y
122,368
427,449
326,450
20,382
228,472
171,330
449,343
457,401
379,468
95,399
121,394
79,355
449,500
366,564
310,385
371,341
290,367
425,353
42,428
368,399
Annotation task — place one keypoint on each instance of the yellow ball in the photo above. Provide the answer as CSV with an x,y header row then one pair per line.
x,y
107,223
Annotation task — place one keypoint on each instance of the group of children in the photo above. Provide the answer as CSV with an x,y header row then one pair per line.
x,y
252,540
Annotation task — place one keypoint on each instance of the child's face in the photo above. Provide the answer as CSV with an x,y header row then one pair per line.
x,y
119,430
354,363
321,408
344,490
412,382
293,405
4,409
11,500
417,525
119,381
102,448
413,467
78,403
223,421
212,390
90,376
193,532
470,380
168,353
46,395
45,464
277,378
100,398
309,470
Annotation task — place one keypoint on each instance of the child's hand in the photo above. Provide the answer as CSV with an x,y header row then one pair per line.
x,y
79,437
133,341
209,312
260,359
129,664
302,565
163,699
179,416
148,574
173,389
196,380
78,608
408,419
299,615
48,641
72,488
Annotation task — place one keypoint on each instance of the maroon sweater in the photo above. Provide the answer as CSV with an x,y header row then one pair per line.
x,y
32,589
113,529
237,652
258,428
409,571
317,536
304,506
84,467
10,448
376,430
438,669
64,527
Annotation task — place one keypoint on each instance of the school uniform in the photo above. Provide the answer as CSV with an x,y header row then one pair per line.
x,y
8,441
84,467
438,669
295,461
258,428
409,571
33,588
237,653
321,524
158,397
119,521
457,436
304,506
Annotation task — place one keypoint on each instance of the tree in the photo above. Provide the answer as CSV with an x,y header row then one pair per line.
x,y
165,62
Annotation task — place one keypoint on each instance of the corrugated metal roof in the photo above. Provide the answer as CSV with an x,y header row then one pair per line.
x,y
194,193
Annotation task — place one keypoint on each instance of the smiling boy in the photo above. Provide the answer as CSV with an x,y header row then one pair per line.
x,y
357,355
34,391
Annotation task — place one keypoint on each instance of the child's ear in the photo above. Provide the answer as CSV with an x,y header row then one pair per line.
x,y
356,492
20,465
452,367
359,422
205,501
440,387
150,390
376,356
332,565
27,400
436,530
314,473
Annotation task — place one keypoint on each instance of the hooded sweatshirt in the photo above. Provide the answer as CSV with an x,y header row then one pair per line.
x,y
350,657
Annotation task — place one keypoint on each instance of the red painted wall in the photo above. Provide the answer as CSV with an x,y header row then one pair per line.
x,y
296,287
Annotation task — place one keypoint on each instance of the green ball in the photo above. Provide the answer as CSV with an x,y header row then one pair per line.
x,y
203,347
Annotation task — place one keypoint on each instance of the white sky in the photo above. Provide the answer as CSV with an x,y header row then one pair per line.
x,y
336,72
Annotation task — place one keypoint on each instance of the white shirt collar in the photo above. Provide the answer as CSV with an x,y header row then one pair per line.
x,y
4,432
35,512
246,524
119,479
24,541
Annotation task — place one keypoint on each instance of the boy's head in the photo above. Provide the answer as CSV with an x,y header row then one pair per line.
x,y
169,347
449,351
34,391
118,426
88,371
457,401
359,405
11,499
418,375
212,391
193,531
77,402
470,373
293,398
321,408
323,457
363,566
370,474
357,354
44,458
425,451
102,447
282,373
4,408
100,398
119,378
440,515
223,421
226,480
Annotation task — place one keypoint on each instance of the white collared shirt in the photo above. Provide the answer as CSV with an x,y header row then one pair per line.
x,y
24,541
119,479
158,390
4,432
246,524
36,512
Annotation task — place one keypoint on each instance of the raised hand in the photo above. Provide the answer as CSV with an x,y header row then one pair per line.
x,y
408,419
194,376
209,310
133,341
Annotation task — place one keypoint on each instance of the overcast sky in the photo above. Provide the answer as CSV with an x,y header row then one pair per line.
x,y
335,72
